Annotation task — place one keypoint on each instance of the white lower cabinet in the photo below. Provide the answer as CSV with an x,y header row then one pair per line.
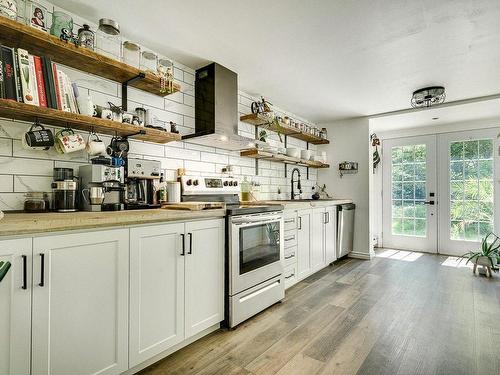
x,y
15,307
318,239
156,290
80,303
176,284
304,243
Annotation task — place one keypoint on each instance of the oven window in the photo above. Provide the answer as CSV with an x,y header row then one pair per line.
x,y
259,246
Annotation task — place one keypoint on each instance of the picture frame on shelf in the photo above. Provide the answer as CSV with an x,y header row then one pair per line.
x,y
37,16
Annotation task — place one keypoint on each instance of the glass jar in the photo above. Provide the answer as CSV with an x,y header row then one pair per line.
x,y
324,133
8,8
36,202
86,37
60,22
149,61
108,40
131,54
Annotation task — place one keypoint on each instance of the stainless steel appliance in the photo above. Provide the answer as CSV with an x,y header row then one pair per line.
x,y
345,229
216,110
254,247
103,187
65,190
143,177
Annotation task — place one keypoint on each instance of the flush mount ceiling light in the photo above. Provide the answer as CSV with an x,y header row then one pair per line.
x,y
428,96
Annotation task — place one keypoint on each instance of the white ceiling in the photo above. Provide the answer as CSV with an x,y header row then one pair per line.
x,y
324,60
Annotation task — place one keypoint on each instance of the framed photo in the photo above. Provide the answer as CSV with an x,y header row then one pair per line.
x,y
8,8
37,16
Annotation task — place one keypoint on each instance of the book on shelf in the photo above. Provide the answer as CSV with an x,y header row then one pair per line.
x,y
35,80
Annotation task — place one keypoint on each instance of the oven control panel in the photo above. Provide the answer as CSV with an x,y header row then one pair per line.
x,y
209,185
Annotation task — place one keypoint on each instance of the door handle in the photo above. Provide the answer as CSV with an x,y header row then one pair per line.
x,y
300,223
327,217
190,243
183,252
430,203
42,270
25,272
290,256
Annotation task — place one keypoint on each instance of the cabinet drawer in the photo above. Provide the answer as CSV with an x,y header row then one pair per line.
x,y
290,239
290,255
290,222
290,275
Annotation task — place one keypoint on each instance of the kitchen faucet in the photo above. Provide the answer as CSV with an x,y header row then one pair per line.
x,y
298,183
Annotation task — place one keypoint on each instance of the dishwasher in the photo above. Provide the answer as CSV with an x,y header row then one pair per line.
x,y
345,229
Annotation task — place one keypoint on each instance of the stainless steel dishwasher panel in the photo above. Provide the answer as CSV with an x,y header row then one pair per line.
x,y
345,229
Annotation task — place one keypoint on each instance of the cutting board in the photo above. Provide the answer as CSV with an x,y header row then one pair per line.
x,y
193,206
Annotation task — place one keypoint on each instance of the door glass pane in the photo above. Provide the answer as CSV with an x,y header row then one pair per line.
x,y
259,246
471,189
408,174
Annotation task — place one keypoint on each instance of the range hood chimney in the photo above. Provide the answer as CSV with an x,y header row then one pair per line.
x,y
216,110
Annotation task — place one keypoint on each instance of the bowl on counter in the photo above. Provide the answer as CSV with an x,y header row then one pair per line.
x,y
293,152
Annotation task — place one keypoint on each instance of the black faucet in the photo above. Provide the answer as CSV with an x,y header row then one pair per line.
x,y
298,183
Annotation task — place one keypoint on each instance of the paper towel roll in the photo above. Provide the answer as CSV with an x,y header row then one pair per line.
x,y
173,191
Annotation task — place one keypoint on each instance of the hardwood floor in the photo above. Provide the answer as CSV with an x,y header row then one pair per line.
x,y
401,313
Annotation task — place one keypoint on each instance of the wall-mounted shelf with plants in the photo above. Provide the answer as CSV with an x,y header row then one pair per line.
x,y
266,121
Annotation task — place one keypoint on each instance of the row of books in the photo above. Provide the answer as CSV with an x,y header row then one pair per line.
x,y
35,80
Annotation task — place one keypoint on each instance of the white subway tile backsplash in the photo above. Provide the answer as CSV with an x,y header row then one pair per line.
x,y
24,170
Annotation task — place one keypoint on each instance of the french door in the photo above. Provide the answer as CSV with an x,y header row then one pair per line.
x,y
439,191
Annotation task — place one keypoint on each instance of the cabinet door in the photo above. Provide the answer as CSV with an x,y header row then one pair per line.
x,y
15,307
80,303
304,243
204,275
317,239
331,234
156,290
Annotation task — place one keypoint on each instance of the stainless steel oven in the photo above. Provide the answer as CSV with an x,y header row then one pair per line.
x,y
255,245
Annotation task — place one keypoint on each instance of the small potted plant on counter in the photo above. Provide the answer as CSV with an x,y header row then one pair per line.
x,y
487,256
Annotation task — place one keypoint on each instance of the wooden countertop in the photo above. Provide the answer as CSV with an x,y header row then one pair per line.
x,y
14,224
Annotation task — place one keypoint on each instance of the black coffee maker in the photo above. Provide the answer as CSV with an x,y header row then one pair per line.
x,y
143,177
65,190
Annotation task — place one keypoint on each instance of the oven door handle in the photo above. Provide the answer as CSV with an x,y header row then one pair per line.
x,y
259,220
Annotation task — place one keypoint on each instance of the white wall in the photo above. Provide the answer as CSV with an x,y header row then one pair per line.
x,y
349,140
22,170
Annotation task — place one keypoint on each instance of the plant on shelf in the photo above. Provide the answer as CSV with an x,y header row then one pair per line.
x,y
275,124
486,257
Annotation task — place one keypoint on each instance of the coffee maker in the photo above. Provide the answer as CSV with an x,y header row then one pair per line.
x,y
103,187
65,190
143,177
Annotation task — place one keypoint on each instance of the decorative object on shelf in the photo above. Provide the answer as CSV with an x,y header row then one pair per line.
x,y
66,141
324,133
8,8
149,61
141,115
86,37
261,106
487,256
262,135
165,70
40,140
128,118
62,26
116,112
108,41
85,105
428,96
348,167
36,15
173,127
131,54
376,156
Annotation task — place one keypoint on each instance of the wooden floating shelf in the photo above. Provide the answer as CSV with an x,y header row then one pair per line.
x,y
37,42
27,112
259,119
258,154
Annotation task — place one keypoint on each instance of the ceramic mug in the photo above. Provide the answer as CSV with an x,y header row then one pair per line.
x,y
106,114
95,146
67,141
127,118
41,139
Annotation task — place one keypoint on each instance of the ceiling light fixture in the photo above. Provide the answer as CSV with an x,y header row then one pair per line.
x,y
428,96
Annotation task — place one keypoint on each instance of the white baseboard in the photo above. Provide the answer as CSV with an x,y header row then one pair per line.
x,y
358,255
166,353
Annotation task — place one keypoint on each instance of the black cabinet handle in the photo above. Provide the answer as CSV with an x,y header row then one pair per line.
x,y
289,221
25,272
290,276
190,243
327,217
300,223
183,252
42,270
289,238
290,256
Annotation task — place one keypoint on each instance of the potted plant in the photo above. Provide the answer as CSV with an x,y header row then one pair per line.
x,y
487,256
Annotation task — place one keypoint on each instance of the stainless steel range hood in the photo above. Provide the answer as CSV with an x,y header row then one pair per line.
x,y
216,110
